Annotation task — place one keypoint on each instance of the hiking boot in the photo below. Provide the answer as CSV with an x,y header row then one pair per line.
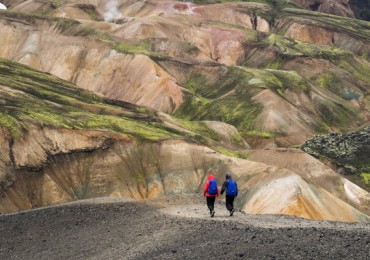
x,y
232,212
212,214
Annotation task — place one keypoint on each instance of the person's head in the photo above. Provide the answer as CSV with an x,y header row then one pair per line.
x,y
211,176
228,176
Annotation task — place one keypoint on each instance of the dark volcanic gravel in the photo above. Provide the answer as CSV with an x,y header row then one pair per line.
x,y
129,230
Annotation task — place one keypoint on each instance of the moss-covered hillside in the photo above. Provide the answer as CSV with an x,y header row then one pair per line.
x,y
271,69
27,95
229,98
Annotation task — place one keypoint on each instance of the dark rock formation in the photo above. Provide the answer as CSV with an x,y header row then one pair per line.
x,y
361,9
350,151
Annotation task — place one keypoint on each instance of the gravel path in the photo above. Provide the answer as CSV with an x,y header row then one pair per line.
x,y
176,227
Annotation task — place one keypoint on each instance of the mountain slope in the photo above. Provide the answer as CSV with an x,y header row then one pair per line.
x,y
142,99
189,66
61,143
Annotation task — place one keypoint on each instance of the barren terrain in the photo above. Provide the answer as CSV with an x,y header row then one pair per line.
x,y
176,227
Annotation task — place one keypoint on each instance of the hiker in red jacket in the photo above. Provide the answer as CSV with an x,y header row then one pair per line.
x,y
211,192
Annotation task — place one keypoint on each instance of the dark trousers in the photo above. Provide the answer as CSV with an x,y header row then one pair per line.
x,y
211,203
230,202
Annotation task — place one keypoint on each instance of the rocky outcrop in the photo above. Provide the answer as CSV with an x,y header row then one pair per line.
x,y
348,8
346,149
350,152
341,7
361,9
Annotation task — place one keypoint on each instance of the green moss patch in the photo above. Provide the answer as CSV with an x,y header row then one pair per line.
x,y
290,80
198,84
366,177
336,115
90,10
261,134
139,48
237,139
329,81
295,48
227,100
278,80
334,84
13,125
198,127
357,68
227,152
237,109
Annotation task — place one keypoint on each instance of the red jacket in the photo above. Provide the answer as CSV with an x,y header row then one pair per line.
x,y
206,185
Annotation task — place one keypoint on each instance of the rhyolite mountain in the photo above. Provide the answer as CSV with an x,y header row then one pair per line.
x,y
142,98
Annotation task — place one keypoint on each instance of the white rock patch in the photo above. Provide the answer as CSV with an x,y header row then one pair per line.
x,y
352,191
2,7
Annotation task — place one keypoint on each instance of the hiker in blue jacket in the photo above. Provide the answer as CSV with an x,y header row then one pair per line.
x,y
231,189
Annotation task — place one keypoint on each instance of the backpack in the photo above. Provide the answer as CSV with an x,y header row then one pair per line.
x,y
231,188
212,188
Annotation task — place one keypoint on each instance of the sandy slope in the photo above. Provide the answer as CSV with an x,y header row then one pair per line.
x,y
172,228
